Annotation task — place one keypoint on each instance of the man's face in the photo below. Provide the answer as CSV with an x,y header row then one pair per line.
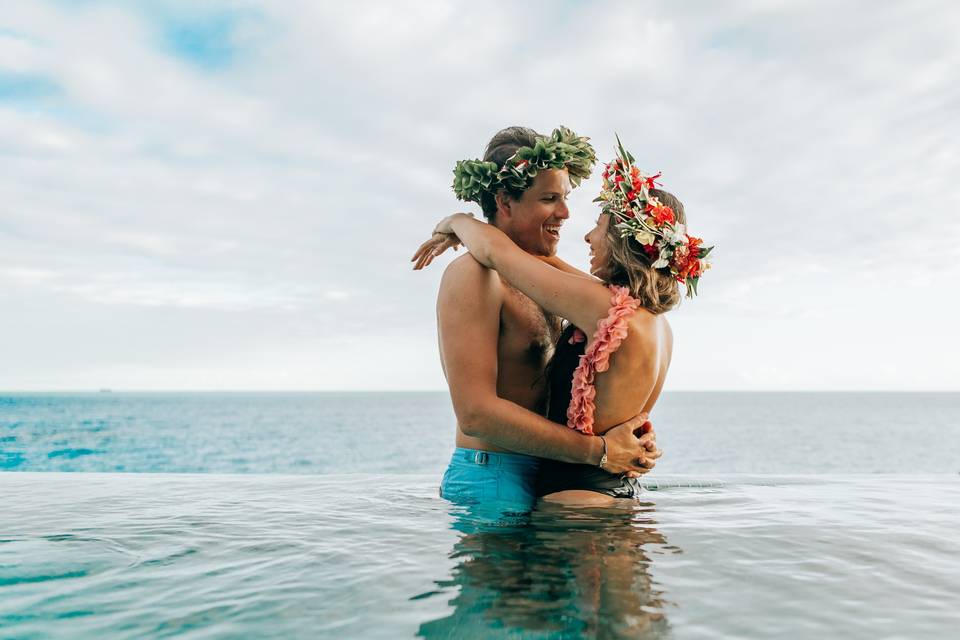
x,y
534,221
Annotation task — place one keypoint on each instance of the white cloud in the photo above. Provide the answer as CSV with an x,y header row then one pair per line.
x,y
813,145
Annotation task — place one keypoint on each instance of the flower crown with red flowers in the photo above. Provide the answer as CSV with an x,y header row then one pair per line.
x,y
626,196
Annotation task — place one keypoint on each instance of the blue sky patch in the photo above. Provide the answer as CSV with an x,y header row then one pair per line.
x,y
26,87
203,36
38,93
205,41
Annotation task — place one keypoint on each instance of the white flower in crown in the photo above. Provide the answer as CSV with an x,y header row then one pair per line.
x,y
676,235
644,237
664,260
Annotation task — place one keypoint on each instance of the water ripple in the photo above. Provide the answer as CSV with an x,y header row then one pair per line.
x,y
153,555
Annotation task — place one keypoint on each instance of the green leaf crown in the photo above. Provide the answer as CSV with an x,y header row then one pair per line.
x,y
562,149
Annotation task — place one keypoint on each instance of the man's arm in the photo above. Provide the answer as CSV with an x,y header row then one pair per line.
x,y
468,317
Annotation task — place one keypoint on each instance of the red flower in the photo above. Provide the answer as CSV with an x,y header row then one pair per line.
x,y
650,181
652,251
687,259
661,213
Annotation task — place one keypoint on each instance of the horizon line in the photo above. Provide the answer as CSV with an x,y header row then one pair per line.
x,y
109,390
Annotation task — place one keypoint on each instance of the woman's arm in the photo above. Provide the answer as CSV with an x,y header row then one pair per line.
x,y
440,242
566,267
582,301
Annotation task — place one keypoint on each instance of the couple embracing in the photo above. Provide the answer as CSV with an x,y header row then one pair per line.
x,y
553,371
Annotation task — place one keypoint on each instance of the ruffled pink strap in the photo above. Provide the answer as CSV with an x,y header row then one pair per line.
x,y
611,331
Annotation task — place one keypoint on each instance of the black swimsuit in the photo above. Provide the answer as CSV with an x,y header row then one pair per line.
x,y
559,476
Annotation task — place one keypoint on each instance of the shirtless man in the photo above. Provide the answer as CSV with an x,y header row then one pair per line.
x,y
494,346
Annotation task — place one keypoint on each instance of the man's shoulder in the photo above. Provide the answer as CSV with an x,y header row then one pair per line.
x,y
468,284
466,271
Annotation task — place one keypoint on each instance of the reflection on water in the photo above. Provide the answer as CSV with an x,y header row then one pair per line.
x,y
133,556
560,572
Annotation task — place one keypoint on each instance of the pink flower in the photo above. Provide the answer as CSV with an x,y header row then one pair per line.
x,y
611,331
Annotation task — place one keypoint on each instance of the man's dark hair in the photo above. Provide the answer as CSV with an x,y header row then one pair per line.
x,y
500,149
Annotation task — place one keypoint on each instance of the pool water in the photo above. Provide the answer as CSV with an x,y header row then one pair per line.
x,y
104,555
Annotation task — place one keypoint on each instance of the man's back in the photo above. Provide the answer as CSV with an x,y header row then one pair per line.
x,y
493,340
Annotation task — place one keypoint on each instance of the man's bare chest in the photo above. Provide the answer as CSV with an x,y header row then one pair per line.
x,y
527,333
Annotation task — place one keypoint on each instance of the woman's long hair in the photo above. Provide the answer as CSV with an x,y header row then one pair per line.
x,y
656,289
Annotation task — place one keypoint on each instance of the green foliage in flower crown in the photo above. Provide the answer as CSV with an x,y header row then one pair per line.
x,y
473,177
580,154
562,149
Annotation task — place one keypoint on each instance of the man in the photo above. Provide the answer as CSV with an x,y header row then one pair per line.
x,y
495,344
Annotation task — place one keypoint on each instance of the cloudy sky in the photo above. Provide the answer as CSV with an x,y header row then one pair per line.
x,y
225,195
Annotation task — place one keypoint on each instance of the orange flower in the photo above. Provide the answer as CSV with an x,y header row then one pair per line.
x,y
661,214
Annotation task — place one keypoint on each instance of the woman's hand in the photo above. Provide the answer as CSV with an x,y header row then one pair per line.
x,y
436,245
443,238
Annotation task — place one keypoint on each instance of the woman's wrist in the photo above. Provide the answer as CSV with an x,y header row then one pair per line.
x,y
458,218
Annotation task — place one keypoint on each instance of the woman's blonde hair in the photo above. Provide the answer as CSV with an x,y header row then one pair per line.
x,y
656,289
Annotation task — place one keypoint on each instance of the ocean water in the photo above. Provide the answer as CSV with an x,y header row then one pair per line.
x,y
381,556
317,516
310,433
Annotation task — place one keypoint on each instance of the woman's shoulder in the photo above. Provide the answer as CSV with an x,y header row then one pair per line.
x,y
645,328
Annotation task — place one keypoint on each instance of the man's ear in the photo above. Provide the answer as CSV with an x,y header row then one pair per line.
x,y
503,203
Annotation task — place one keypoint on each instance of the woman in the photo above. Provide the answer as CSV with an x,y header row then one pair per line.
x,y
612,361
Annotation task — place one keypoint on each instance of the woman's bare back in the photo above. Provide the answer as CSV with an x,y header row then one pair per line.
x,y
638,369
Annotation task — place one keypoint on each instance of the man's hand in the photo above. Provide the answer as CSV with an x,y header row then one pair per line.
x,y
632,447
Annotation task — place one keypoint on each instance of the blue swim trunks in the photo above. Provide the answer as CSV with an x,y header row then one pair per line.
x,y
506,482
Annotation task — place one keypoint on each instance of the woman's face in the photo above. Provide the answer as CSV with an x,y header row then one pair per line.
x,y
599,246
